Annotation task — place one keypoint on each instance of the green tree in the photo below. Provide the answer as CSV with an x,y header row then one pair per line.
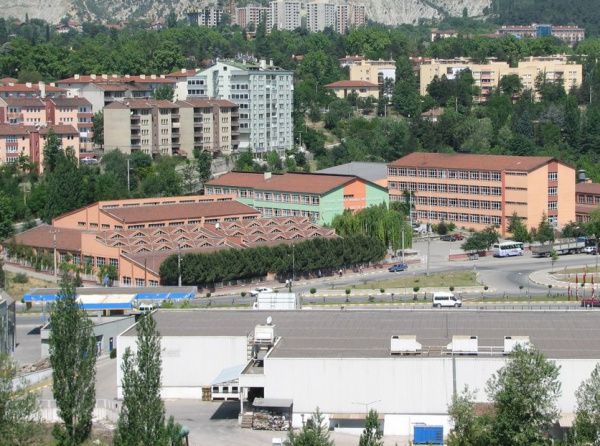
x,y
586,428
469,429
189,178
203,165
18,406
511,85
524,392
518,229
315,432
73,359
98,128
51,151
2,275
142,418
372,433
164,92
64,191
544,232
7,216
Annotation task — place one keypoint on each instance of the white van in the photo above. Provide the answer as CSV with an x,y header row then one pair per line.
x,y
147,308
445,299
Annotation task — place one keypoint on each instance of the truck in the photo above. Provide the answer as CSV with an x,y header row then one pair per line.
x,y
560,246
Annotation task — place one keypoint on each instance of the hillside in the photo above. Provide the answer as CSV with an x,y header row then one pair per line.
x,y
383,11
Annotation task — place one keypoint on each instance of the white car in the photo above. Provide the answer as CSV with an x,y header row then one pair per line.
x,y
589,250
443,299
256,291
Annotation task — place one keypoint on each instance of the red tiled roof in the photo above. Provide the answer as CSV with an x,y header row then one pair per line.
x,y
42,237
183,72
185,211
15,129
351,84
469,161
208,102
8,80
24,101
587,188
287,182
142,103
585,209
23,88
86,79
63,101
59,129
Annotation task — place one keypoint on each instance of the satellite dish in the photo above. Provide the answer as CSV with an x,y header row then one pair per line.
x,y
269,320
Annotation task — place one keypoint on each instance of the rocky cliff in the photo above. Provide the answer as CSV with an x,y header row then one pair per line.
x,y
384,11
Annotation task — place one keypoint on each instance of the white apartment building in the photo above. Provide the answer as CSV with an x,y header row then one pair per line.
x,y
349,15
210,17
320,16
264,94
285,14
253,15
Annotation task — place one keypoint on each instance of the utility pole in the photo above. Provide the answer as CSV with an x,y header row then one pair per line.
x,y
54,250
403,243
128,184
179,264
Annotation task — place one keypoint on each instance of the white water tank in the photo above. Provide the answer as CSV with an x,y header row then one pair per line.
x,y
404,345
466,345
510,342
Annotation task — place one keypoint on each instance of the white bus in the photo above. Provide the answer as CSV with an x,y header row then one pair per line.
x,y
508,249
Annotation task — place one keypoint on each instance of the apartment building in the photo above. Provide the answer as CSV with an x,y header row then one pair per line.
x,y
374,71
319,197
22,110
476,191
40,90
27,140
285,14
72,111
171,128
264,94
320,16
253,15
361,89
568,34
210,17
103,89
350,15
587,200
487,76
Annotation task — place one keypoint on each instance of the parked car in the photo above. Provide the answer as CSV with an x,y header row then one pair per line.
x,y
593,302
451,237
256,291
445,299
398,267
589,250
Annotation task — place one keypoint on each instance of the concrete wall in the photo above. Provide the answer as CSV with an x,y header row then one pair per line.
x,y
409,388
190,362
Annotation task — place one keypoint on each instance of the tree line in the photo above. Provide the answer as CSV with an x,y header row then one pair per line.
x,y
285,260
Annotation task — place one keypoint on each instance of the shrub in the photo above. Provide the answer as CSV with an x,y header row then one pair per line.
x,y
485,288
208,295
416,289
243,294
348,291
20,278
382,290
451,288
313,290
371,298
113,353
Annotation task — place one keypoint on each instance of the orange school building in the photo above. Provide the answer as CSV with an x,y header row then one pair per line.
x,y
476,191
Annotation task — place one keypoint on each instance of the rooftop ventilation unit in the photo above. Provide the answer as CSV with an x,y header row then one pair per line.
x,y
510,342
404,345
265,334
464,345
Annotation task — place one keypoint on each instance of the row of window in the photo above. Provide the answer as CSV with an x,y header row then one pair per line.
x,y
275,212
445,188
443,173
454,202
126,281
100,261
459,217
588,199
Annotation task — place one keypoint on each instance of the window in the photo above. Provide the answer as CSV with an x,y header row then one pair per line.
x,y
114,262
139,282
552,191
100,261
126,281
553,205
552,176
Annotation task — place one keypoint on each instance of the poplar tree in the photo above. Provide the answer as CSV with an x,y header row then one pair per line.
x,y
372,434
73,360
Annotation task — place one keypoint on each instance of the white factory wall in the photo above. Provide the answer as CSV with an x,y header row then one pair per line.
x,y
190,362
411,389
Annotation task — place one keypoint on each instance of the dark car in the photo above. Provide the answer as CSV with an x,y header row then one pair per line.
x,y
398,267
451,237
593,302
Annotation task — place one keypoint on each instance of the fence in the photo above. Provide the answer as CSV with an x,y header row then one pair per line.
x,y
104,410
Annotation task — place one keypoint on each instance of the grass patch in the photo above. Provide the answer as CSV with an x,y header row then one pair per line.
x,y
16,288
577,270
439,280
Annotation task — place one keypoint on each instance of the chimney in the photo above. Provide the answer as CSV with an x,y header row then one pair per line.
x,y
127,76
270,62
153,76
105,76
93,76
114,76
28,84
183,70
142,76
267,175
263,64
42,87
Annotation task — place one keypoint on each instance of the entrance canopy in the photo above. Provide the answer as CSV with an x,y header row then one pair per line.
x,y
273,403
228,375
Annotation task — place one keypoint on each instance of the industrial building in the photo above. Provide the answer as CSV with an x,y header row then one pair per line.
x,y
405,364
476,191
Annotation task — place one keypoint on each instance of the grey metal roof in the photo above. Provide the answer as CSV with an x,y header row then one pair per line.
x,y
358,334
366,171
118,290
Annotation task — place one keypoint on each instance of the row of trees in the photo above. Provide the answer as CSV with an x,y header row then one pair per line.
x,y
387,225
296,259
72,344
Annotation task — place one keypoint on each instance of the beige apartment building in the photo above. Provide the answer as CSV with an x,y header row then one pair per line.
x,y
22,110
361,89
476,191
487,76
373,71
171,128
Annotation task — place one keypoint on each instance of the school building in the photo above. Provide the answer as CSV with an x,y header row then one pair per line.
x,y
476,191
